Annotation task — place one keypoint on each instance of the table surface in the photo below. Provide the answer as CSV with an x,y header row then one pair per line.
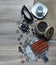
x,y
9,15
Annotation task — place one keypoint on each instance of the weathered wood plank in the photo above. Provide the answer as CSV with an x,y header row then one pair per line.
x,y
9,15
10,10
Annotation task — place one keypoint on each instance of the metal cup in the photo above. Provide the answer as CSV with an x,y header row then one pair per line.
x,y
39,11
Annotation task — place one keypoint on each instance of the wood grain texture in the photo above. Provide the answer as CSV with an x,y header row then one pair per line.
x,y
9,15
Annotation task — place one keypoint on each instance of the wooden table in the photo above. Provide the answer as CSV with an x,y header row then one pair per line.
x,y
9,15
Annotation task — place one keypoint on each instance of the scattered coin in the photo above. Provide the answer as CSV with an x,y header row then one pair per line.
x,y
18,38
17,31
24,45
20,43
21,56
21,35
27,59
22,61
